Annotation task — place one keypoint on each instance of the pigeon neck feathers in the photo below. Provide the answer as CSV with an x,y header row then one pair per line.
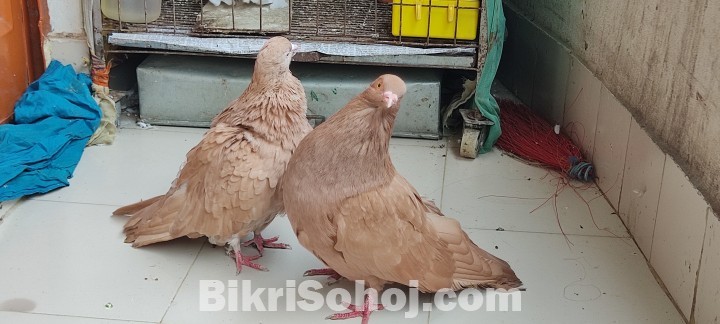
x,y
273,111
354,142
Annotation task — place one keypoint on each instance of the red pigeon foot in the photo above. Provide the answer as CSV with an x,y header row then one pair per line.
x,y
323,272
363,312
246,260
262,243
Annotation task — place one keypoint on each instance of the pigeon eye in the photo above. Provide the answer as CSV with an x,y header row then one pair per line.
x,y
379,84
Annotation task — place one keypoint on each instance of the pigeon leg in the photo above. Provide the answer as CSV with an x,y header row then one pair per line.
x,y
262,243
368,307
244,260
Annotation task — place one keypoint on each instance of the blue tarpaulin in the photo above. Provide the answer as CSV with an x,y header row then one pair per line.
x,y
54,119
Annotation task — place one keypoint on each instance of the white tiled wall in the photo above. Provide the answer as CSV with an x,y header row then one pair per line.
x,y
582,102
644,166
665,214
611,139
65,16
66,41
68,51
678,239
708,285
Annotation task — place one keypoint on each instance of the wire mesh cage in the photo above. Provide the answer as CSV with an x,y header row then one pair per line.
x,y
415,23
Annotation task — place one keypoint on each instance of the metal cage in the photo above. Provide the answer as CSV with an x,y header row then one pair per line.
x,y
345,21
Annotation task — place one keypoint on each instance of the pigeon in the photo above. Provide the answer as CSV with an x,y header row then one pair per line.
x,y
365,221
228,186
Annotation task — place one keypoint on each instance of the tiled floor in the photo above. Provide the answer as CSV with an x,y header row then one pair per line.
x,y
63,259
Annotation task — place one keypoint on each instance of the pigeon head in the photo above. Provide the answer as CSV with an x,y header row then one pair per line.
x,y
277,52
386,91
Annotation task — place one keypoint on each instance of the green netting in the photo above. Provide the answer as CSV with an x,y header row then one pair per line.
x,y
483,99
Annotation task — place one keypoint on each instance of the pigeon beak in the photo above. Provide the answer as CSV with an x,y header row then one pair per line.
x,y
390,98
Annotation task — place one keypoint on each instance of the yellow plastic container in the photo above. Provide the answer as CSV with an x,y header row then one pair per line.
x,y
412,19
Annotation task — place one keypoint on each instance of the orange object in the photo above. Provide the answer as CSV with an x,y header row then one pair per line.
x,y
16,65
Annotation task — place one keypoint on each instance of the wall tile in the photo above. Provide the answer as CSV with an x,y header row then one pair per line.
x,y
708,290
68,51
641,183
516,66
678,238
581,106
611,140
535,67
66,17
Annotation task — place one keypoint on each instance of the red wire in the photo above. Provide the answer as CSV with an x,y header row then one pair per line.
x,y
533,139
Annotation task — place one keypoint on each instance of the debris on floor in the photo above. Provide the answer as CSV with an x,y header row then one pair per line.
x,y
105,133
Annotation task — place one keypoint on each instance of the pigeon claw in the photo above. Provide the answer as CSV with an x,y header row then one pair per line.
x,y
246,260
261,243
364,312
333,276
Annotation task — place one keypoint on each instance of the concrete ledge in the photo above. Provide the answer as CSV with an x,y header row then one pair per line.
x,y
190,90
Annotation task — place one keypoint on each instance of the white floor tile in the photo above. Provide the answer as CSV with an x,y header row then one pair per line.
x,y
29,318
496,191
595,280
63,262
178,129
454,141
284,265
139,165
70,259
6,207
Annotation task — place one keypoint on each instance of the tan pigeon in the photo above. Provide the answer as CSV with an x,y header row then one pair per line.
x,y
229,185
365,221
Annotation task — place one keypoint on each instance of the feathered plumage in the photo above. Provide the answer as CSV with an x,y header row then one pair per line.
x,y
229,184
364,220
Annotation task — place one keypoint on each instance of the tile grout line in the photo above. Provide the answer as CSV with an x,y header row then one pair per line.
x,y
657,208
168,130
73,202
691,318
597,115
428,316
86,317
183,281
622,176
547,233
442,183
